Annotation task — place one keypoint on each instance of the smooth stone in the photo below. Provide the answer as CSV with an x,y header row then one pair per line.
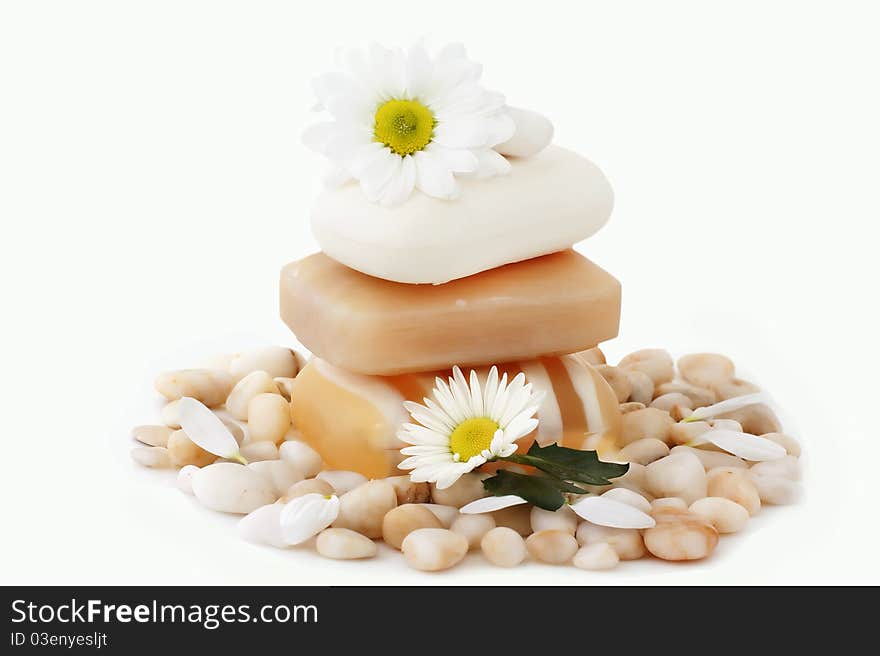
x,y
503,547
363,508
776,490
282,475
277,361
352,420
563,519
492,222
308,486
303,456
711,459
152,435
473,527
409,491
552,546
343,481
210,386
626,542
371,326
255,383
466,489
184,478
232,488
433,549
183,451
644,451
156,457
343,544
629,497
680,535
680,475
725,515
259,451
599,556
533,133
446,514
403,520
735,484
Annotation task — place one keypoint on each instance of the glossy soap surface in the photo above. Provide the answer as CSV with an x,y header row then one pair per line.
x,y
551,305
352,419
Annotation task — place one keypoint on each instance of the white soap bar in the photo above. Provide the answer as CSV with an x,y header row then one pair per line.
x,y
533,133
545,204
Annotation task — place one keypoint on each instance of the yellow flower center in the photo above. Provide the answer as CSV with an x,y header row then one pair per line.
x,y
405,126
472,436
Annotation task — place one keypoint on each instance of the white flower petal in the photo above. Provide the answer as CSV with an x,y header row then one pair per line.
x,y
744,445
729,405
205,428
307,516
491,390
608,512
490,164
316,136
462,133
434,177
457,160
400,185
491,504
476,395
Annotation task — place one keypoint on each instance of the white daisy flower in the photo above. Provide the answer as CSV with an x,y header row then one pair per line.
x,y
405,120
465,426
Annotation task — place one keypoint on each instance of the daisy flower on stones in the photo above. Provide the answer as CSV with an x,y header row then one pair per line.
x,y
466,425
406,120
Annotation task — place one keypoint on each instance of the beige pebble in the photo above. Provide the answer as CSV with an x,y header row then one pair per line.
x,y
307,486
285,386
183,451
342,481
363,508
156,457
519,518
210,386
711,459
643,424
598,557
473,528
644,452
680,535
593,356
151,435
679,412
728,389
303,456
776,490
680,475
787,467
641,386
725,515
170,415
634,480
282,475
626,542
734,484
656,363
668,502
408,491
232,488
791,445
563,519
756,419
343,544
268,418
667,402
236,430
552,546
631,406
433,549
629,497
466,489
277,361
259,451
403,520
256,382
503,547
705,369
699,396
617,380
184,478
446,514
684,433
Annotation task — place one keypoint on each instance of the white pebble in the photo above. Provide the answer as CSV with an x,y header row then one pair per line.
x,y
711,459
232,488
725,515
170,415
210,386
552,546
156,457
787,467
184,478
791,445
256,382
504,547
281,474
343,544
706,369
776,490
598,556
668,401
563,519
644,451
668,502
308,486
363,508
734,484
277,361
680,535
268,418
533,133
341,480
446,514
626,542
303,456
151,435
433,549
680,475
629,497
472,527
263,526
259,451
466,489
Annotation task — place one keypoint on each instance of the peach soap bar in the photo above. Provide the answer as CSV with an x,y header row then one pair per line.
x,y
352,420
546,203
551,305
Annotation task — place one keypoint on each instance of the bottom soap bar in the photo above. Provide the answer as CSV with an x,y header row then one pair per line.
x,y
352,419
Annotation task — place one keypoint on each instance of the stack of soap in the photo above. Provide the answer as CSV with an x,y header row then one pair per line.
x,y
401,295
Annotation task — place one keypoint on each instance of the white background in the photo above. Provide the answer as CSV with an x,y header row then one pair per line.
x,y
152,184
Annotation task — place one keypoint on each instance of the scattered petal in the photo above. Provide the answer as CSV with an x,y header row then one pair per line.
x,y
608,512
206,429
306,516
729,405
744,445
491,504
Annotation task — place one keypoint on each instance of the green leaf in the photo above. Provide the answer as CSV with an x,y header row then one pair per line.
x,y
570,464
541,491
